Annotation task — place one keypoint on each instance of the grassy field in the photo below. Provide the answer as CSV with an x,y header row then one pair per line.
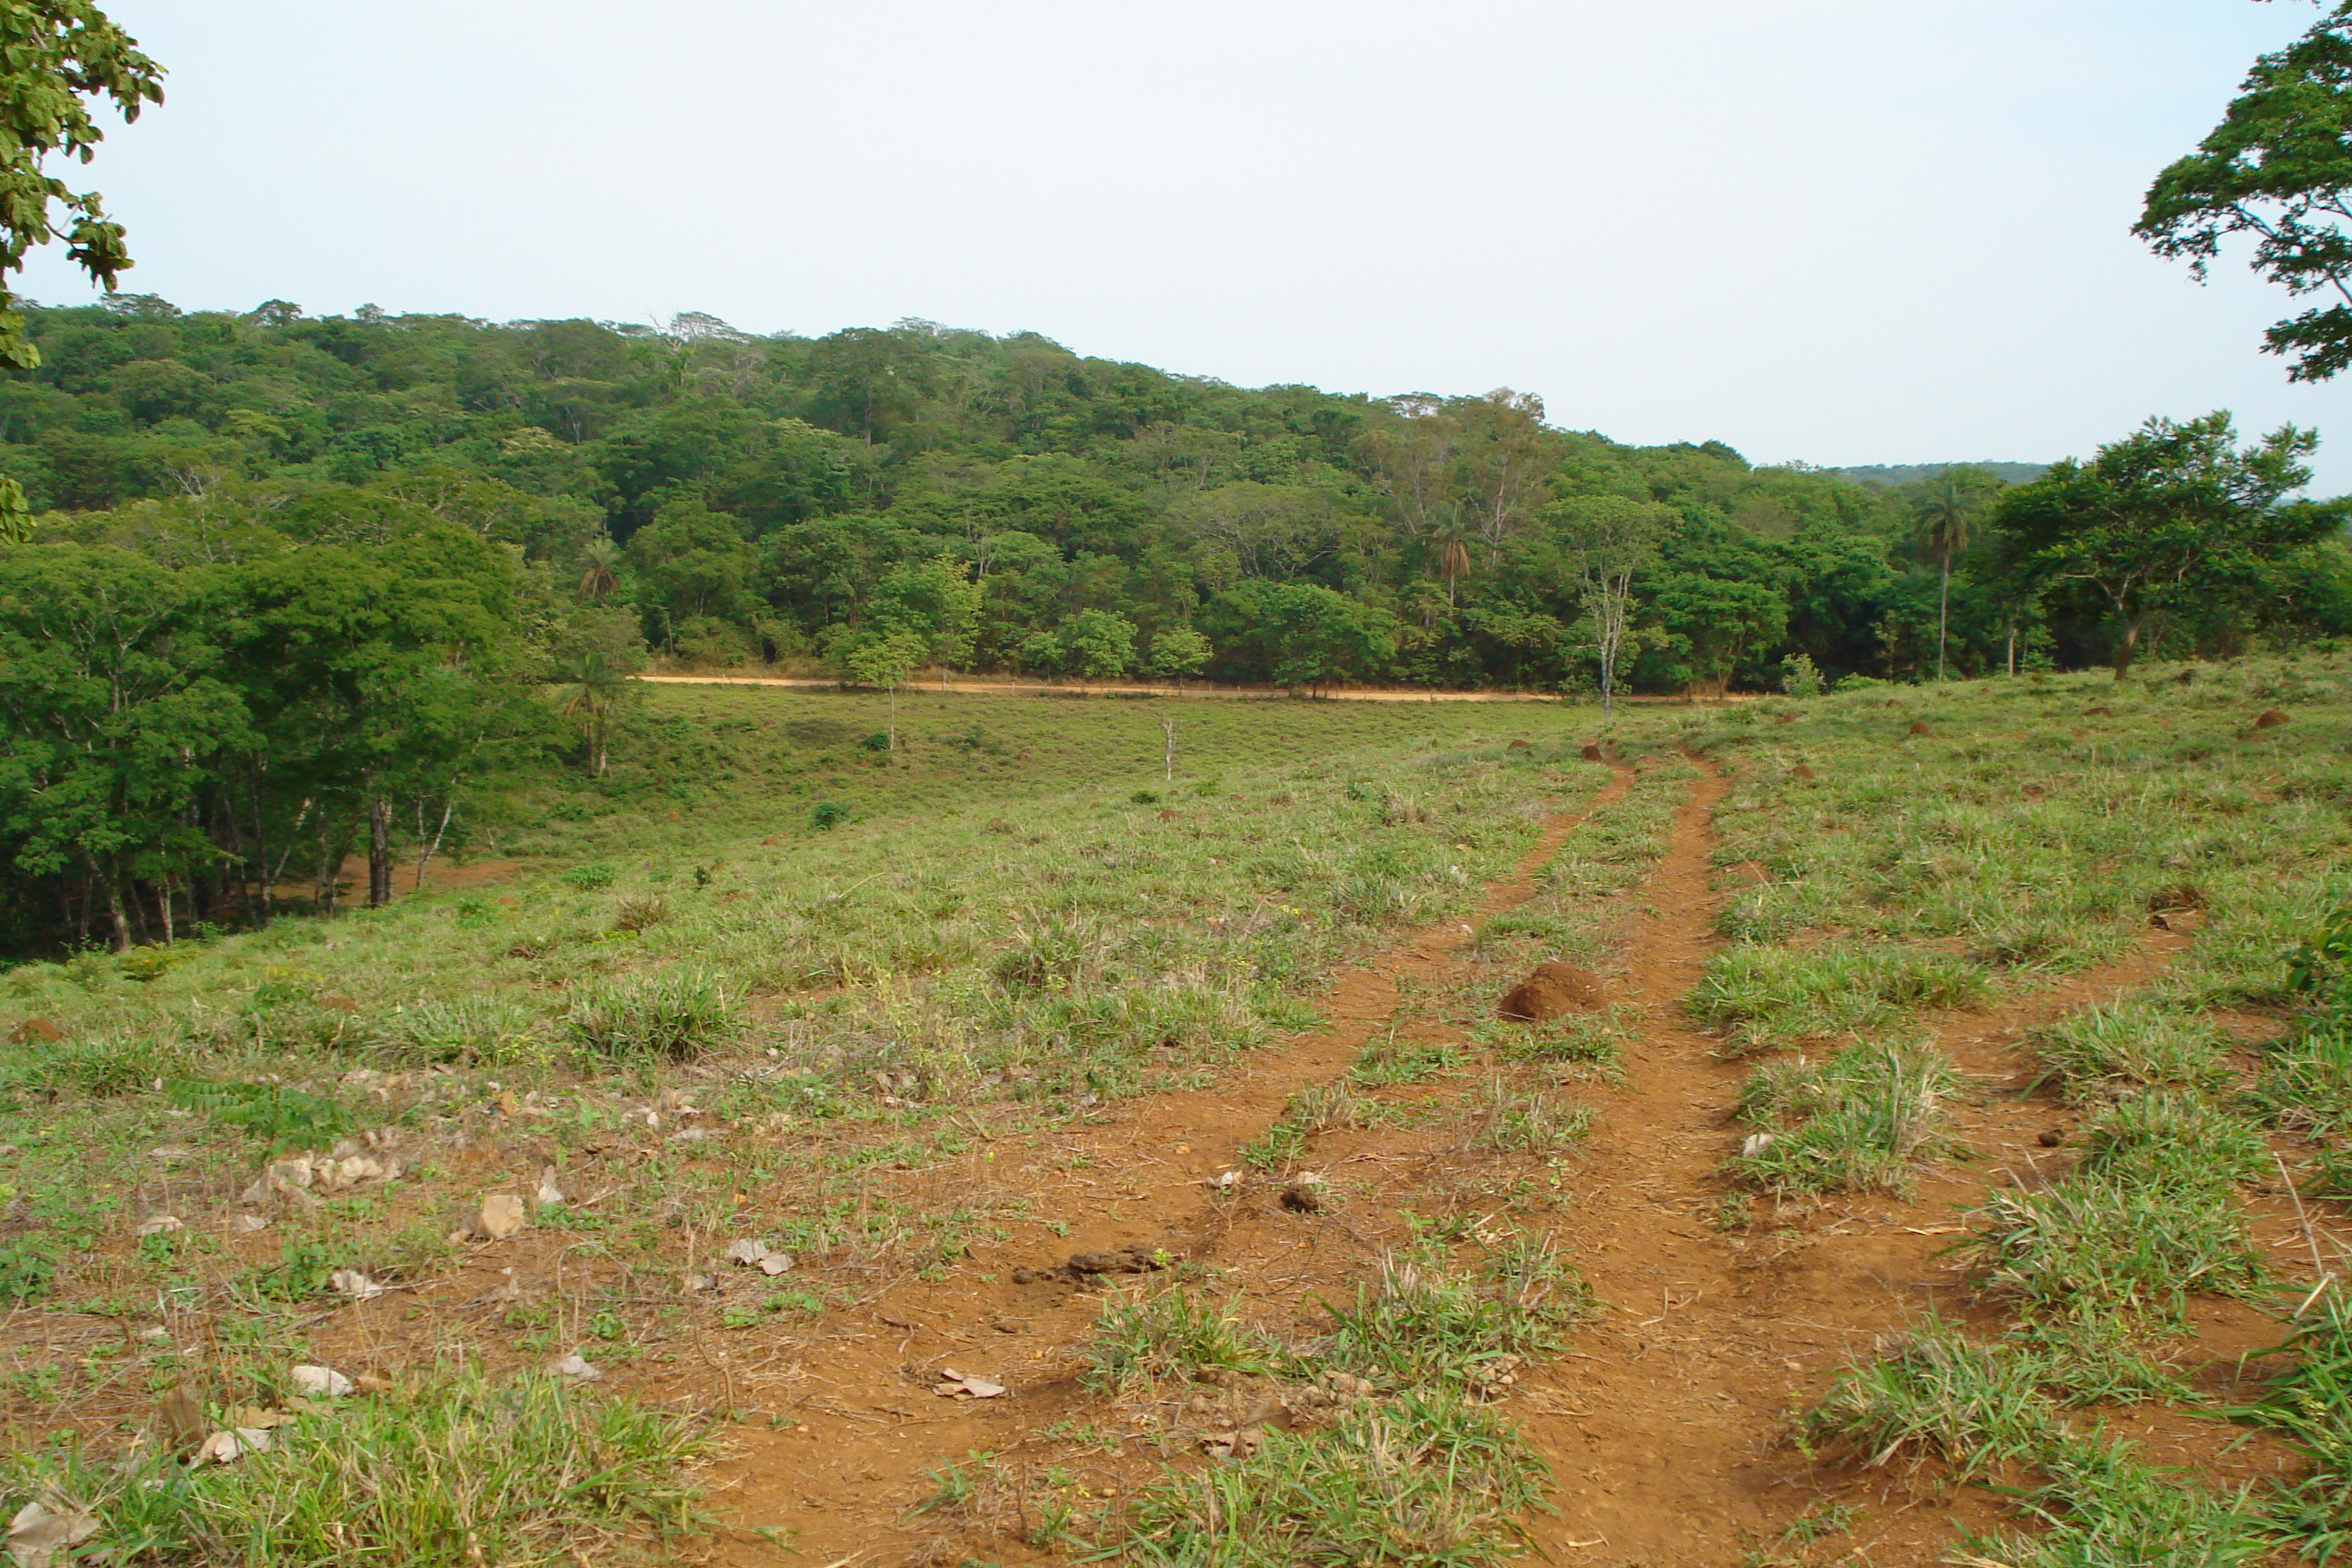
x,y
2031,997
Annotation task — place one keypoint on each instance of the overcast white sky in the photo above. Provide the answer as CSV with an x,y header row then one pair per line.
x,y
1832,230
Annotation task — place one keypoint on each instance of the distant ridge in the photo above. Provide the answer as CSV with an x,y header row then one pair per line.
x,y
1895,474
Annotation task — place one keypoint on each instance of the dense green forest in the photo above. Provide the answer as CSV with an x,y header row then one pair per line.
x,y
297,587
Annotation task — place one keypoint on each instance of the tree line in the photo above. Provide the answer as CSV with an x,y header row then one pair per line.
x,y
291,587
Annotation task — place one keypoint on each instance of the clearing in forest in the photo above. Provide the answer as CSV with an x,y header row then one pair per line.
x,y
1937,1158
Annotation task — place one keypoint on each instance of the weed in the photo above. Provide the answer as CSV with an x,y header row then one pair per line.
x,y
672,1016
589,878
1939,1396
2101,1052
1389,1059
1592,1041
635,915
827,815
455,1472
1140,1339
1771,995
1425,1320
100,1066
2086,1244
1427,1478
280,1117
1505,1120
478,1030
2306,1083
1861,1121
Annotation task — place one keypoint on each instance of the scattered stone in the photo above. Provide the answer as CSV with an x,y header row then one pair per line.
x,y
1223,1181
246,1224
162,1225
2270,719
954,1385
36,1032
550,1194
1011,1325
41,1529
1755,1143
1237,1444
1553,988
227,1448
2052,1137
1023,1276
759,1255
501,1217
576,1369
354,1284
320,1382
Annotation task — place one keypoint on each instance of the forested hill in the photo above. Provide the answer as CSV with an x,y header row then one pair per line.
x,y
777,498
1897,475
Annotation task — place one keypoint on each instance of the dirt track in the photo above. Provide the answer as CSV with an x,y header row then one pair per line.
x,y
1134,688
1664,1422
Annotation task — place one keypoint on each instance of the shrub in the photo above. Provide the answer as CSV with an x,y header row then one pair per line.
x,y
828,814
589,878
671,1017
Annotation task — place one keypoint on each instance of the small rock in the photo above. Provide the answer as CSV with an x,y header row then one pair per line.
x,y
248,1224
1223,1181
759,1255
320,1382
1023,1276
2052,1137
550,1194
576,1369
1011,1325
352,1283
162,1225
501,1217
953,1384
1755,1143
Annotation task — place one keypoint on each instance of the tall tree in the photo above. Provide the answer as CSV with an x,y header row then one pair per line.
x,y
2172,516
1946,505
1610,538
2278,168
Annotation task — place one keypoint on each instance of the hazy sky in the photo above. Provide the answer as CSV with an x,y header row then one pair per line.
x,y
1831,230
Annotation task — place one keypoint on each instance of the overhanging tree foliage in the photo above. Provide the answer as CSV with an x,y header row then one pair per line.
x,y
2277,168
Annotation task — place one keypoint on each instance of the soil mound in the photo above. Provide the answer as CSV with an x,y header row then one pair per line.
x,y
2270,719
1592,753
1920,727
1518,746
1802,772
1554,988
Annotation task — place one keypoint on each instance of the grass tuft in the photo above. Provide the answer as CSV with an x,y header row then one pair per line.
x,y
1861,1121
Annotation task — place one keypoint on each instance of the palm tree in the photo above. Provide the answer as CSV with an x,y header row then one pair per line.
x,y
592,685
1452,559
1946,505
597,562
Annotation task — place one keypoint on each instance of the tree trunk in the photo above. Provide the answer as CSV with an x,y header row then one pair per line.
x,y
1168,725
2125,653
1943,614
2012,645
378,853
114,908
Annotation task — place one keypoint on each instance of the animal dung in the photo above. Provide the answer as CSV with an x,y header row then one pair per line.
x,y
1553,988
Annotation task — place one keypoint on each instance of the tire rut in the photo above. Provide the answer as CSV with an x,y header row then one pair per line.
x,y
861,1421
